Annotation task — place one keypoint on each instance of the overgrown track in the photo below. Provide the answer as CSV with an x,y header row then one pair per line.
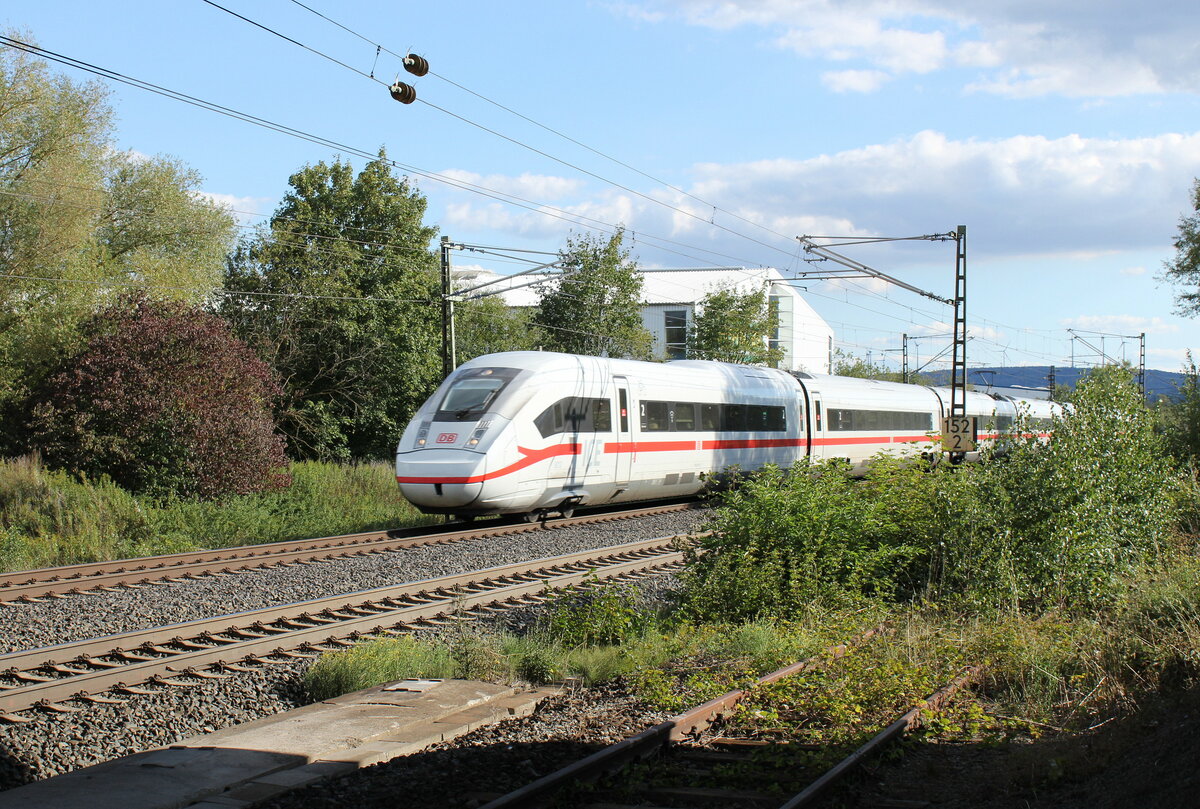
x,y
56,582
49,678
685,751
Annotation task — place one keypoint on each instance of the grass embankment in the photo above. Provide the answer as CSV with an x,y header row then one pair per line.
x,y
54,518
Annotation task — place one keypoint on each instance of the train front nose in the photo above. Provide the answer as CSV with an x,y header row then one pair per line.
x,y
441,480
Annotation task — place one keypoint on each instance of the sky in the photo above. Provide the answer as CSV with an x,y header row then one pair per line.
x,y
1064,134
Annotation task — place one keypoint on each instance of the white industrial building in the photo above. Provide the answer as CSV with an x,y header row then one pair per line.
x,y
671,297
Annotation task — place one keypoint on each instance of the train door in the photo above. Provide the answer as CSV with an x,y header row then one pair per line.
x,y
624,433
816,428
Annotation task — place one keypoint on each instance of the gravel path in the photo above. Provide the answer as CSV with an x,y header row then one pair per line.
x,y
53,744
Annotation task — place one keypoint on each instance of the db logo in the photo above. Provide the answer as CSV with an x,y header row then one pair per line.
x,y
447,438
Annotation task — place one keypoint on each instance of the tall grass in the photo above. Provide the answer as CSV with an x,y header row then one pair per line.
x,y
55,518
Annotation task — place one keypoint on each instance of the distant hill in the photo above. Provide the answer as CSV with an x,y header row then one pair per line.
x,y
1158,383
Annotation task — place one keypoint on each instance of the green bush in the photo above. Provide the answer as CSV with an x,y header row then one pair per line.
x,y
1063,523
593,614
1057,524
785,539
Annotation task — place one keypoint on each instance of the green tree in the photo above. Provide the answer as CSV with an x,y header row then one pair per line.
x,y
81,222
1180,421
339,294
846,364
595,308
487,326
1184,269
732,326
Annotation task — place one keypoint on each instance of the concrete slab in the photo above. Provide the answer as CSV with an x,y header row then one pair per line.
x,y
237,766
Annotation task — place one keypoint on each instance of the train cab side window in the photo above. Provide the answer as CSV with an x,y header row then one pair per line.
x,y
575,414
601,415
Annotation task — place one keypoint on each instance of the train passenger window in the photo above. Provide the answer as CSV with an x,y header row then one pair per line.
x,y
775,420
655,416
710,417
733,417
684,419
878,420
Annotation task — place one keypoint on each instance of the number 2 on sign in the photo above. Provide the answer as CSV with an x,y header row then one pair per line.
x,y
958,434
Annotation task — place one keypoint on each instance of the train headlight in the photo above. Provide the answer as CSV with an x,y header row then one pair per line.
x,y
477,436
422,434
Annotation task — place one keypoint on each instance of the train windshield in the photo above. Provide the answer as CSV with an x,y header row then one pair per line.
x,y
473,392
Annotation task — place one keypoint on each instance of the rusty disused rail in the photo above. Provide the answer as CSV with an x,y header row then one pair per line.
x,y
693,723
55,582
50,677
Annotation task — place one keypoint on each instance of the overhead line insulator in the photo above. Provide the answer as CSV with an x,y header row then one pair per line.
x,y
416,65
404,93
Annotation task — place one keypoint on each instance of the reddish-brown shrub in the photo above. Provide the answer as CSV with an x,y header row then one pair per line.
x,y
164,400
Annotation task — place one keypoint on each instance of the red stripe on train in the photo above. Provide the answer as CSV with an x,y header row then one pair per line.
x,y
532,456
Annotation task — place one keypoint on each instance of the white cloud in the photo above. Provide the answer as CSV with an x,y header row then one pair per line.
x,y
247,210
540,187
1067,198
854,81
1171,359
1129,325
1074,48
1133,271
1019,195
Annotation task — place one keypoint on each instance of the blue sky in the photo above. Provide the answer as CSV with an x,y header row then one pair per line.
x,y
1062,133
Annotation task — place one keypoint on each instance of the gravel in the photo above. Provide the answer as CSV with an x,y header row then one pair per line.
x,y
494,759
56,743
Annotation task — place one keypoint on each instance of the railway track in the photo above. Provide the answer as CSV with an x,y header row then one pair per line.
x,y
689,765
54,678
58,582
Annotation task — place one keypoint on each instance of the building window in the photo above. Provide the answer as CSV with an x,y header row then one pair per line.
x,y
675,333
773,342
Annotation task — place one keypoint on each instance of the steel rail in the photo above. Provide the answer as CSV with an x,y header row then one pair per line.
x,y
653,740
30,585
905,723
690,723
251,638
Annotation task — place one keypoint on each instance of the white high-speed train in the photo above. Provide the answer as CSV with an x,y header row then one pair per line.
x,y
538,432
